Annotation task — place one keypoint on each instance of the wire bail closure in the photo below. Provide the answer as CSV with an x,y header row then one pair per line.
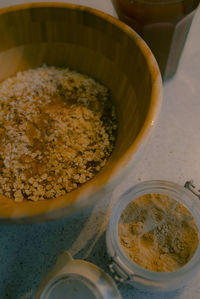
x,y
191,187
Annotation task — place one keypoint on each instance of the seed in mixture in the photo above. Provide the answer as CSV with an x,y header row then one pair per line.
x,y
57,130
158,233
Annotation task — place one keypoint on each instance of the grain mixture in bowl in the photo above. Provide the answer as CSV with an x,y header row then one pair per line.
x,y
57,129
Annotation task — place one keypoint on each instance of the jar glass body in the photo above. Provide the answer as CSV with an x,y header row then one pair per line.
x,y
130,271
163,24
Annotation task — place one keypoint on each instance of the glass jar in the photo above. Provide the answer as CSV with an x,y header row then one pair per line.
x,y
163,24
125,269
81,279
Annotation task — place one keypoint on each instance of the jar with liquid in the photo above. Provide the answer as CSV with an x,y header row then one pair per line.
x,y
163,24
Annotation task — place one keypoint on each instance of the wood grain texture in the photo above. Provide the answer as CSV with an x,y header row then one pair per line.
x,y
94,43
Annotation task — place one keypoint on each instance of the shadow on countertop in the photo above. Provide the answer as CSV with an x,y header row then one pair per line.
x,y
27,252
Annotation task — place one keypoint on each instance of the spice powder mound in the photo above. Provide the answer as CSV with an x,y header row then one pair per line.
x,y
57,130
158,233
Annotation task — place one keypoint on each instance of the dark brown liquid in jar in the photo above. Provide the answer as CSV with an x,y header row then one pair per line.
x,y
163,24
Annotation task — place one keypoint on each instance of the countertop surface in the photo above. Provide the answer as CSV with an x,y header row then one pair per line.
x,y
173,153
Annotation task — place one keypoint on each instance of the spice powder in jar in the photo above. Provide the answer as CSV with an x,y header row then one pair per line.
x,y
158,233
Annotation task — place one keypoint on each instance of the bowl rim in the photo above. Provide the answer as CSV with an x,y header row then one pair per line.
x,y
34,211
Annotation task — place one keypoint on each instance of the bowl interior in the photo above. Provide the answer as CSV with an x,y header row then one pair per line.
x,y
100,46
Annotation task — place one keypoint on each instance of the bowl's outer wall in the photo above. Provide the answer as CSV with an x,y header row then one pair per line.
x,y
92,42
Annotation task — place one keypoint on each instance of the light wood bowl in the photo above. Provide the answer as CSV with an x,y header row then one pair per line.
x,y
101,46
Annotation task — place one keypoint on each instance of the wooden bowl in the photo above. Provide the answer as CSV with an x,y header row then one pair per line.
x,y
101,46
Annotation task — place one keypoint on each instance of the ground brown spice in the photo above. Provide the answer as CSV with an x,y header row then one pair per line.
x,y
158,233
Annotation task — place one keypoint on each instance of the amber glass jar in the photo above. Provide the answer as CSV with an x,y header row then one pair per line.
x,y
163,24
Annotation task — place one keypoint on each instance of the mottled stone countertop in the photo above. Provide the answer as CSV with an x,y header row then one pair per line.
x,y
173,153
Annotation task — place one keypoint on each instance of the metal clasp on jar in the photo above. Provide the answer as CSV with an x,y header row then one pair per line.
x,y
120,275
190,186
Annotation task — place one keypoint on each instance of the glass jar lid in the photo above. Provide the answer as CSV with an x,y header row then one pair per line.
x,y
76,279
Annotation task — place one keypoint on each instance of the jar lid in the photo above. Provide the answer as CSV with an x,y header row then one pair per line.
x,y
76,279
